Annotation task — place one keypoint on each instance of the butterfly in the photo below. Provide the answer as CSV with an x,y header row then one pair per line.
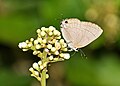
x,y
79,34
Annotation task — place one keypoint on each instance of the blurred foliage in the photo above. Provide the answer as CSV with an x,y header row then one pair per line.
x,y
19,20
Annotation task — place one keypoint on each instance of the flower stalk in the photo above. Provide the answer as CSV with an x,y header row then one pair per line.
x,y
43,74
49,48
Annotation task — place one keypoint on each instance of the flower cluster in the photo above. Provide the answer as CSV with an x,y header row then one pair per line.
x,y
48,46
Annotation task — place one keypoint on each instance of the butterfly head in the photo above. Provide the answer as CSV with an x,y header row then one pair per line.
x,y
67,22
64,23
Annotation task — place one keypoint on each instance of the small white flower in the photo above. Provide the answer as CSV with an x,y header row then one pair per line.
x,y
64,45
39,40
56,53
31,69
41,67
49,46
47,76
53,49
66,56
38,46
35,66
22,45
56,32
50,33
35,42
51,28
43,29
61,41
25,49
31,39
38,30
40,62
27,41
36,73
30,45
35,52
43,33
50,58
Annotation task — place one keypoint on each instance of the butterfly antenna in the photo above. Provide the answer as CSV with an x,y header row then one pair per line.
x,y
83,54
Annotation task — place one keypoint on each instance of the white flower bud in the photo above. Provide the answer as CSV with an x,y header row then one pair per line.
x,y
53,49
50,58
38,46
27,41
56,53
56,32
35,42
64,45
22,45
66,56
61,41
51,28
31,39
41,67
36,73
31,69
40,62
43,29
50,33
35,52
49,46
38,30
30,44
36,66
43,33
25,49
39,40
33,75
47,76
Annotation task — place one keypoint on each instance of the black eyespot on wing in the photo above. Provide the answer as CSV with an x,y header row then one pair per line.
x,y
66,21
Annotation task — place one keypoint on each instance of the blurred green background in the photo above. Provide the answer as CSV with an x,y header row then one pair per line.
x,y
19,19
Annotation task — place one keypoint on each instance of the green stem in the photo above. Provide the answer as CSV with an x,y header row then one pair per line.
x,y
43,74
43,77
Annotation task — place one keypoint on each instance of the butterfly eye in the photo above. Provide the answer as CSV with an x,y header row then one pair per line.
x,y
66,21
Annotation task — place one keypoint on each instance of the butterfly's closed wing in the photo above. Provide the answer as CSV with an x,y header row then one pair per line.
x,y
78,33
90,31
69,32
